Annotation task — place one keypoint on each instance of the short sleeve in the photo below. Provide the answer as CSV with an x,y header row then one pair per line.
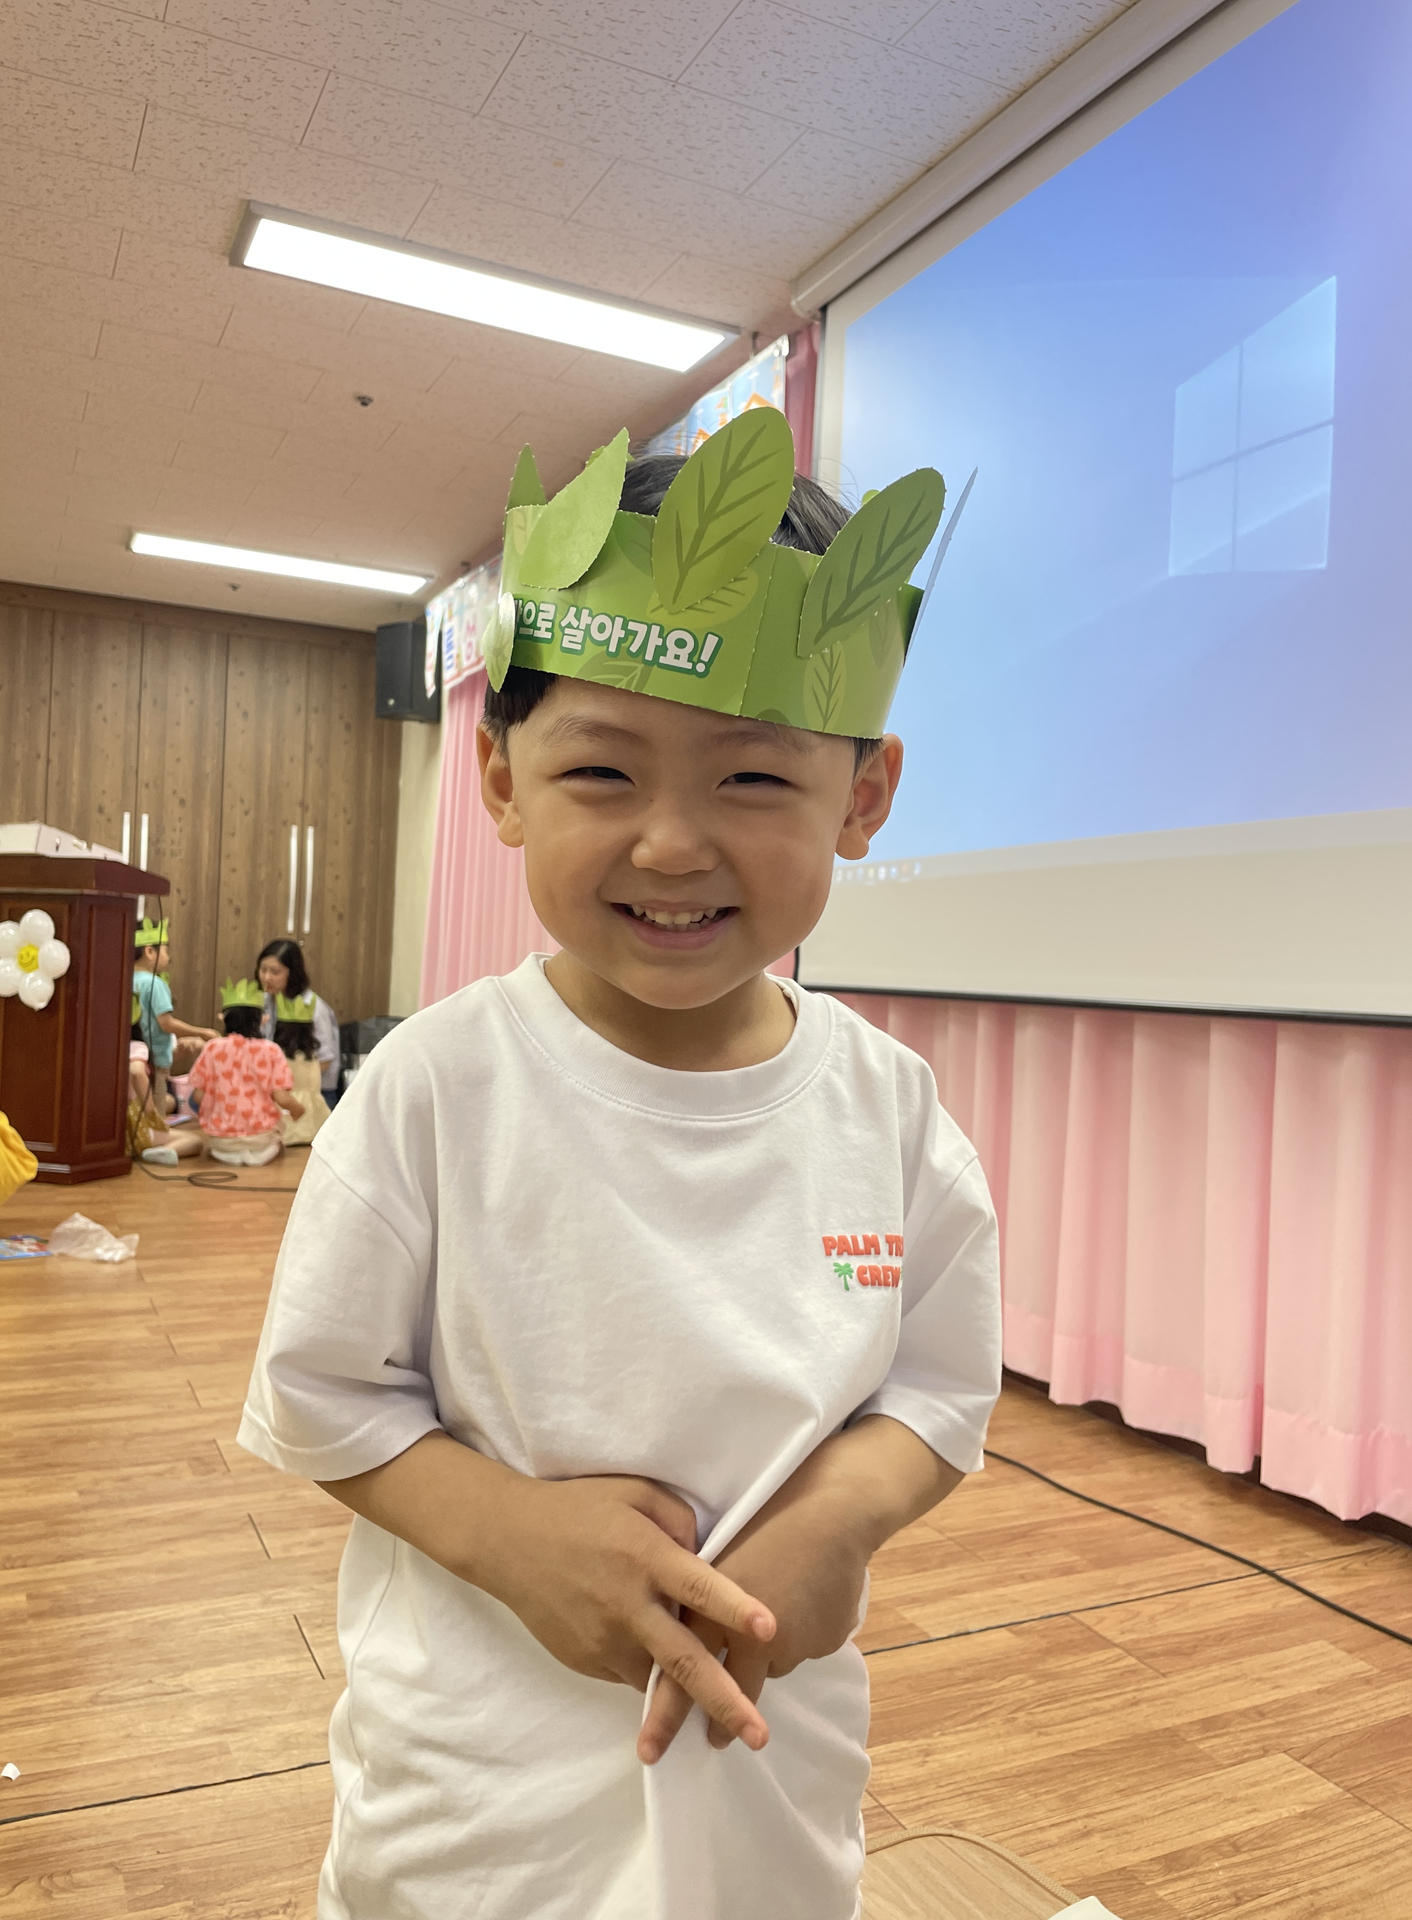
x,y
342,1378
161,997
200,1069
945,1375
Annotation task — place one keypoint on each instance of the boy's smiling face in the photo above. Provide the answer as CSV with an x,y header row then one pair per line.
x,y
673,851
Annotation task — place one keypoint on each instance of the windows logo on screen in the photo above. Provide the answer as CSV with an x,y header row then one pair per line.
x,y
1253,449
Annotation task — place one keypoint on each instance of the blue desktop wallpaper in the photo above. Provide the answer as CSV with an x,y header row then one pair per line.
x,y
1181,592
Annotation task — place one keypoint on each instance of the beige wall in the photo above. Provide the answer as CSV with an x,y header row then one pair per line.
x,y
416,826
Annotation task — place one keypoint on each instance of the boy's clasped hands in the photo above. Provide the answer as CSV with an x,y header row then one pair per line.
x,y
603,1571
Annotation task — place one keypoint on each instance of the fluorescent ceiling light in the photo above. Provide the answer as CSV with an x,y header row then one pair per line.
x,y
412,276
291,566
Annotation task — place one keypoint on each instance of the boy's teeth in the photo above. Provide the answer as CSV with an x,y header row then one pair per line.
x,y
675,919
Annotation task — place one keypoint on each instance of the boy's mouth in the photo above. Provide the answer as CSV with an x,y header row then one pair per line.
x,y
679,927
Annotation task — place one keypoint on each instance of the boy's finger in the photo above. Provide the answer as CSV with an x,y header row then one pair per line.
x,y
682,1658
695,1585
663,1720
748,1667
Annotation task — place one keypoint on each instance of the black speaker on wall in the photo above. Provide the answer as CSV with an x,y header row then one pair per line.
x,y
402,687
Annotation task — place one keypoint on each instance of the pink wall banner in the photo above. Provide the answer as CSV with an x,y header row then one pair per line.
x,y
456,621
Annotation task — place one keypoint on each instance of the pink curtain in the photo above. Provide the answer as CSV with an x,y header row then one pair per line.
x,y
1205,1222
479,917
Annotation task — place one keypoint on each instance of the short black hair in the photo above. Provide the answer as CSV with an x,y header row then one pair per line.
x,y
290,954
811,520
243,1020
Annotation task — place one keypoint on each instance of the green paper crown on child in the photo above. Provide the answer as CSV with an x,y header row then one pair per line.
x,y
242,993
697,604
152,933
296,1009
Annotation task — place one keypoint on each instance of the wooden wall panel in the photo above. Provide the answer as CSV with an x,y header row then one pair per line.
x,y
26,661
93,708
180,762
262,795
354,816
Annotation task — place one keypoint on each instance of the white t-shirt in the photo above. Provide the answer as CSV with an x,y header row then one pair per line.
x,y
579,1263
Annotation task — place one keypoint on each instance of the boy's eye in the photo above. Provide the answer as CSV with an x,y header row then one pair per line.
x,y
595,773
756,780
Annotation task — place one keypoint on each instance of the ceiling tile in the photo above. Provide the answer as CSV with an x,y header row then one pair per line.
x,y
53,117
64,333
645,34
730,293
225,160
834,180
879,19
357,431
288,528
74,189
359,357
137,388
24,402
216,431
841,82
83,246
565,94
414,46
149,261
1012,45
122,450
636,199
257,374
298,488
101,496
95,46
91,297
450,148
536,243
480,417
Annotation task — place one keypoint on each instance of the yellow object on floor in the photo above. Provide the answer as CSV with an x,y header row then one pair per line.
x,y
938,1873
17,1164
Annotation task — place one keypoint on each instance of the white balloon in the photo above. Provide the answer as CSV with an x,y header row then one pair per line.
x,y
10,977
54,959
36,990
10,941
35,928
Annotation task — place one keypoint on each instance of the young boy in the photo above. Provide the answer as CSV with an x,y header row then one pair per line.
x,y
241,1082
593,1306
152,1011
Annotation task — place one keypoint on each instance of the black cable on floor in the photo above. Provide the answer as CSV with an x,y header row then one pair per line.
x,y
1194,1540
207,1177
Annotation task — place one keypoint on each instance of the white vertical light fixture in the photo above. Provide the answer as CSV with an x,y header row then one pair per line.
x,y
273,241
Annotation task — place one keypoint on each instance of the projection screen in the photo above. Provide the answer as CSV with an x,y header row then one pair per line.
x,y
1158,713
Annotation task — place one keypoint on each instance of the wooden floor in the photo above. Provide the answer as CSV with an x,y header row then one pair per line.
x,y
1141,1718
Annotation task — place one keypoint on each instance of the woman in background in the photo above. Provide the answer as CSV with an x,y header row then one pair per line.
x,y
281,970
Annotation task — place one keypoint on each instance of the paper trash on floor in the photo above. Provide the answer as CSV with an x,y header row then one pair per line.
x,y
9,1771
83,1239
1089,1909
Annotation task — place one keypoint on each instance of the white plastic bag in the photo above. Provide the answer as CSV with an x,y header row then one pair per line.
x,y
83,1239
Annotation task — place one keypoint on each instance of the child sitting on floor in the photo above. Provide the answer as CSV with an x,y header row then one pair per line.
x,y
297,1038
240,1083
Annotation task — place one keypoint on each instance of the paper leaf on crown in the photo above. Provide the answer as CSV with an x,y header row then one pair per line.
x,y
722,507
736,648
151,933
871,558
242,993
297,1009
526,487
568,534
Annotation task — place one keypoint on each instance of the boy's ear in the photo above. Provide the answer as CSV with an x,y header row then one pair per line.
x,y
497,788
870,802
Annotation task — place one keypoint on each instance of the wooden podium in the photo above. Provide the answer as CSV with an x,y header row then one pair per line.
x,y
64,1070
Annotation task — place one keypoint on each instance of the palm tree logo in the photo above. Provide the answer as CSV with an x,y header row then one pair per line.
x,y
844,1272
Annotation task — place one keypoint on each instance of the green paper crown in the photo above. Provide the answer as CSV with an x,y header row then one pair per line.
x,y
296,1009
697,604
152,933
242,993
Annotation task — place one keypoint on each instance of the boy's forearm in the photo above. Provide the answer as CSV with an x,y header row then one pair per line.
x,y
879,1475
182,1029
440,1497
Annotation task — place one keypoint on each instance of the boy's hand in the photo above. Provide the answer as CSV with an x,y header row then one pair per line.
x,y
805,1554
595,1567
807,1562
